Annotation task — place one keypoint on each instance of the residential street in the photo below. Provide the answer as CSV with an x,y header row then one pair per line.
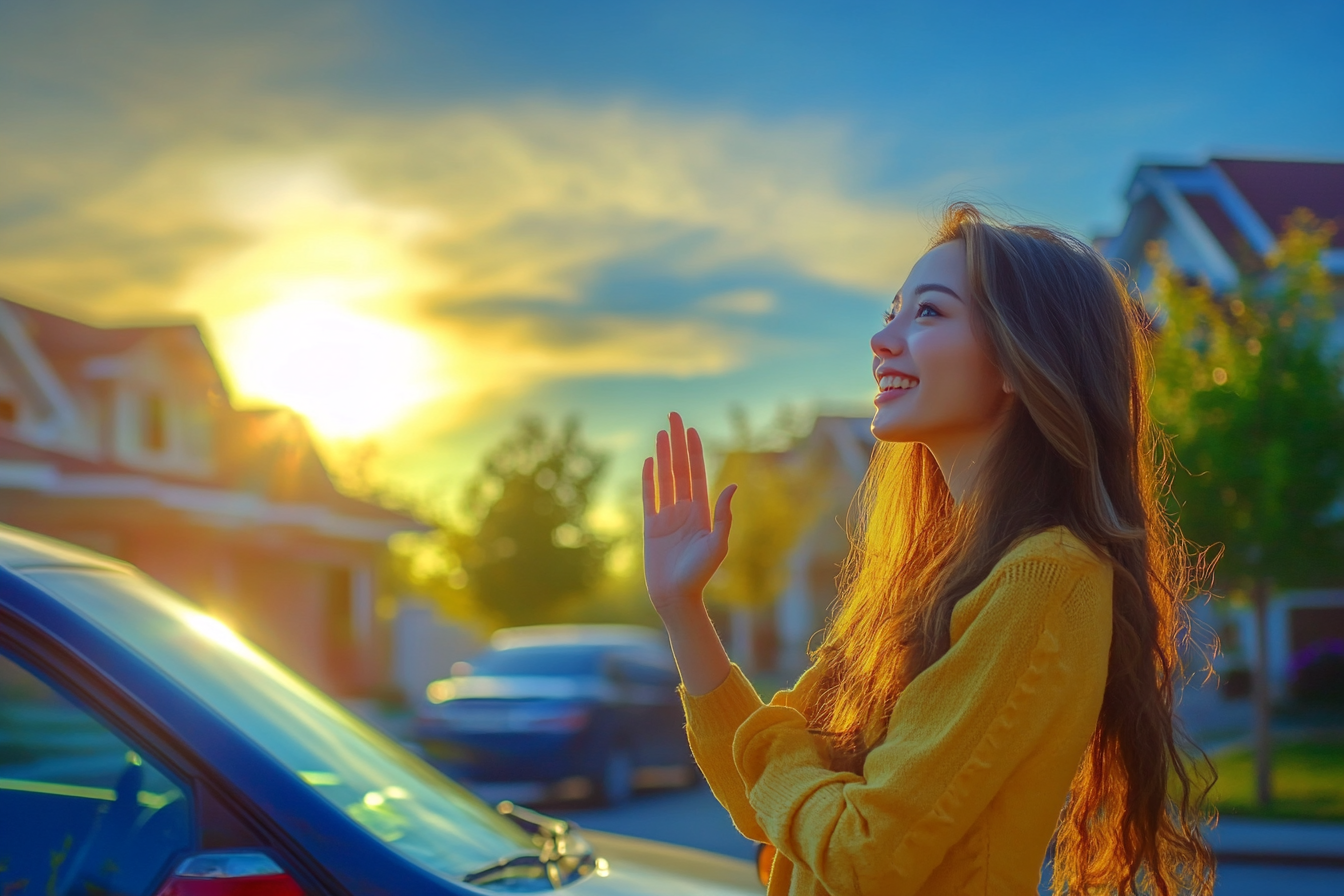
x,y
694,818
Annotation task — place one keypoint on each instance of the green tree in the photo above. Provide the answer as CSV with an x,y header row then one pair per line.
x,y
622,596
1252,399
529,551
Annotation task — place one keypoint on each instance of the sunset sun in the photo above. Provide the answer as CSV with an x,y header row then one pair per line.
x,y
351,374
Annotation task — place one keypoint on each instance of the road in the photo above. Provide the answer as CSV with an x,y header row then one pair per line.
x,y
694,818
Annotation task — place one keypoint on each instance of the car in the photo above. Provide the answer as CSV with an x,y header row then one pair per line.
x,y
591,709
145,748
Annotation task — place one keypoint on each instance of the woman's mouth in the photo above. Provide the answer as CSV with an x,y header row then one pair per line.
x,y
892,386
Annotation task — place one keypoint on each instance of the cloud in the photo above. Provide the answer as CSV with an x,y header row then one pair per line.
x,y
196,178
739,301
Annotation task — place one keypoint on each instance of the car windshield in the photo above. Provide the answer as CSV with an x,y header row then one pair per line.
x,y
564,661
388,791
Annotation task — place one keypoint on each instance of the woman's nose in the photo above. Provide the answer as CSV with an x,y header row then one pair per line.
x,y
887,342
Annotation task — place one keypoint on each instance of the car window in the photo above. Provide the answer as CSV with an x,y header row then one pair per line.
x,y
80,810
637,671
392,794
550,661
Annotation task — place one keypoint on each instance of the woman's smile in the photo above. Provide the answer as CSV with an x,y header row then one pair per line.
x,y
892,385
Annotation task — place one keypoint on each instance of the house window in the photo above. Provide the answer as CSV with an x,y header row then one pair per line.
x,y
9,409
154,434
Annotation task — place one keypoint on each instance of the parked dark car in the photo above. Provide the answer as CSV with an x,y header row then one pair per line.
x,y
147,749
592,708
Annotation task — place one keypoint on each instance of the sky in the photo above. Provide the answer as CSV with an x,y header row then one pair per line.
x,y
414,222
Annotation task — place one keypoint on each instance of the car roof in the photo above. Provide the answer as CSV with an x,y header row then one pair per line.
x,y
21,549
578,635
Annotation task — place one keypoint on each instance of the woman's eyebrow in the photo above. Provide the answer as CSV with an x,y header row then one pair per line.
x,y
935,287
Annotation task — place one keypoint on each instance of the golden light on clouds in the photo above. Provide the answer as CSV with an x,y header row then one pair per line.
x,y
307,235
310,308
403,268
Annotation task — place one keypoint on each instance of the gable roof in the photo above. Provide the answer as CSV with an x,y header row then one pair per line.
x,y
68,345
266,461
1274,189
1222,218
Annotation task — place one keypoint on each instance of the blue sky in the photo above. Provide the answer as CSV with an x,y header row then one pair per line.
x,y
414,221
1046,105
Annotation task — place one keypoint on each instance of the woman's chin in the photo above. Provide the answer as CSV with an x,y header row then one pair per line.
x,y
886,430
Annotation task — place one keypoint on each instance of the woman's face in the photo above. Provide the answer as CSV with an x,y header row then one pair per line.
x,y
936,382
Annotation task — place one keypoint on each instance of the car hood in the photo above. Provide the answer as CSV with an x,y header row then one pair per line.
x,y
648,868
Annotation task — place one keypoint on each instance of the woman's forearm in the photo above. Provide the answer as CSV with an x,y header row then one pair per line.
x,y
700,656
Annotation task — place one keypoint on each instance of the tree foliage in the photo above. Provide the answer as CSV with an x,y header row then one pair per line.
x,y
1252,398
529,550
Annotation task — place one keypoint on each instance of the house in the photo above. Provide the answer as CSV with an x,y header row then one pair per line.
x,y
123,439
1220,221
831,461
1222,218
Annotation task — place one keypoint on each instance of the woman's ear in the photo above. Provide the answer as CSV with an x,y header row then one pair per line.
x,y
1007,387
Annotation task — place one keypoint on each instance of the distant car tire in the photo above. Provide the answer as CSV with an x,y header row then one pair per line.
x,y
618,777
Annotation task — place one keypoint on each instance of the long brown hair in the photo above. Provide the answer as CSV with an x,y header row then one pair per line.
x,y
1076,449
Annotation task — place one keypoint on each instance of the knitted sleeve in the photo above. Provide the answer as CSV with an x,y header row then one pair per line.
x,y
711,721
955,734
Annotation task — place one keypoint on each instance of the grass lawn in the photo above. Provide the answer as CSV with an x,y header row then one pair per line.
x,y
1308,780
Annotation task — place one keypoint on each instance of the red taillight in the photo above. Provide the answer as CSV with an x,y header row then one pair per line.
x,y
230,873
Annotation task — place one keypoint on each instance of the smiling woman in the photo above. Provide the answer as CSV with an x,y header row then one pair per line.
x,y
350,374
998,674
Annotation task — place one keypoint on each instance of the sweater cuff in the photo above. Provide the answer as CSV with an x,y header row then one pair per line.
x,y
723,709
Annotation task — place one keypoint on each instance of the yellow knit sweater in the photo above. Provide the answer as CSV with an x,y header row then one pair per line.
x,y
963,794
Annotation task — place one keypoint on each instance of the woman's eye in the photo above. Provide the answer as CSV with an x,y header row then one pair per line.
x,y
925,306
888,316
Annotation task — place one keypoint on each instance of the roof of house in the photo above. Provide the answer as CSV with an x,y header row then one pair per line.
x,y
67,344
1224,230
1226,214
270,451
265,453
1276,188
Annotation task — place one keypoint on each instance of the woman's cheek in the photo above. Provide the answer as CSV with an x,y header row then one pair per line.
x,y
952,366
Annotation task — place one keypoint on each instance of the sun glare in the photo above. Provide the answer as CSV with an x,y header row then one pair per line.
x,y
216,631
351,374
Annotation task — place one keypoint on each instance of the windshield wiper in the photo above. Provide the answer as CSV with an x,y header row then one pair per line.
x,y
563,855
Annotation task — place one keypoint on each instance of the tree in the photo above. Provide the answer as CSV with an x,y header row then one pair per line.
x,y
529,550
1254,403
622,596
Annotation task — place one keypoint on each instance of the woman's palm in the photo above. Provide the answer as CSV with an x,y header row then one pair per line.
x,y
683,543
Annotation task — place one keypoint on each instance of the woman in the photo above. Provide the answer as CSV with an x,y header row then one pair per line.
x,y
999,669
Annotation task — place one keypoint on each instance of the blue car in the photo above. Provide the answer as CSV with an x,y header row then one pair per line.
x,y
592,709
147,749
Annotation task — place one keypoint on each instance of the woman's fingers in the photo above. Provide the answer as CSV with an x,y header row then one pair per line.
x,y
681,467
723,513
666,492
650,496
699,491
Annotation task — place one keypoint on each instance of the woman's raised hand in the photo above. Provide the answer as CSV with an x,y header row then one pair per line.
x,y
682,545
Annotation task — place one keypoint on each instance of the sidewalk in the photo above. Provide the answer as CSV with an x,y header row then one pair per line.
x,y
1318,844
